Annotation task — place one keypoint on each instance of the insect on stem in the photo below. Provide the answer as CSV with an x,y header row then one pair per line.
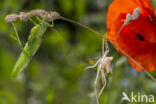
x,y
31,47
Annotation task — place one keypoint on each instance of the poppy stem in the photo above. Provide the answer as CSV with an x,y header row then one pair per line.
x,y
136,63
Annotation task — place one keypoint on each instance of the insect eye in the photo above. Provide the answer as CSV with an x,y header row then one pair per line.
x,y
140,37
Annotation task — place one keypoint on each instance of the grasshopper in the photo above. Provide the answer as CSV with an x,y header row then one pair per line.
x,y
31,47
35,37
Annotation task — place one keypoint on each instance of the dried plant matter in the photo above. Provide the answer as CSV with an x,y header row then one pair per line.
x,y
49,16
103,62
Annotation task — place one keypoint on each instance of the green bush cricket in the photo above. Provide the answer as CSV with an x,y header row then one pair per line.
x,y
31,47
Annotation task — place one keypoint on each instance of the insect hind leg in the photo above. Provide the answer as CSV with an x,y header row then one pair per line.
x,y
95,83
90,67
104,82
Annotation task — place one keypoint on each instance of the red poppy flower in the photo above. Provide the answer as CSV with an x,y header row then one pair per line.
x,y
138,38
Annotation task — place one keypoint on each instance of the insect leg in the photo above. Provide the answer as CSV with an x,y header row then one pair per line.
x,y
29,17
104,81
107,47
90,67
18,40
33,21
106,51
52,24
44,18
95,83
38,18
103,44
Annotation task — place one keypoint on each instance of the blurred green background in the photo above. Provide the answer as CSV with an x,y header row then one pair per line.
x,y
55,74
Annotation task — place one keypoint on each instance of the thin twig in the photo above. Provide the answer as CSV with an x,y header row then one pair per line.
x,y
69,20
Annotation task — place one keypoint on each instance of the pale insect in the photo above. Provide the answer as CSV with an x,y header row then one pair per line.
x,y
103,62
